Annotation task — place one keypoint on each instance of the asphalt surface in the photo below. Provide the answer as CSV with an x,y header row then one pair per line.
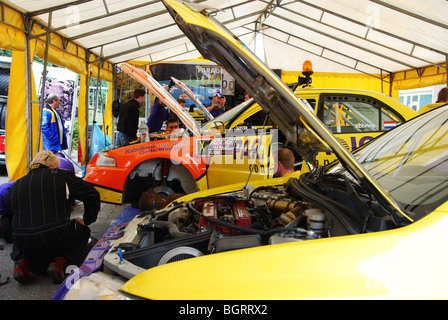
x,y
43,288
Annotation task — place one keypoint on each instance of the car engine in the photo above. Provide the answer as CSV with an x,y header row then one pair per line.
x,y
303,209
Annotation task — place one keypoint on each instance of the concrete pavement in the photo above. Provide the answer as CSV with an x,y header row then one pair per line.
x,y
43,288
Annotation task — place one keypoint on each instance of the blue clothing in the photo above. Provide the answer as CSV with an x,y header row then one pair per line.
x,y
4,188
215,111
158,115
54,136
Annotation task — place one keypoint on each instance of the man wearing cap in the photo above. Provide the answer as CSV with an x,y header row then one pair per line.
x,y
217,106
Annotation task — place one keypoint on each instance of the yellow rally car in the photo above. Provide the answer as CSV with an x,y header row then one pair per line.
x,y
371,226
354,116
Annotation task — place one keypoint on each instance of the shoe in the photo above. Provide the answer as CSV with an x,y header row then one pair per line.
x,y
56,270
21,271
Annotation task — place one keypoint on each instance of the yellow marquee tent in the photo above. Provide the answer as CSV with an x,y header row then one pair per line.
x,y
371,44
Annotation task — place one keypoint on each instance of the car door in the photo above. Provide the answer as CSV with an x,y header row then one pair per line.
x,y
240,155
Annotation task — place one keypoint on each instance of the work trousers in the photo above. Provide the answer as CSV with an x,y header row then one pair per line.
x,y
69,240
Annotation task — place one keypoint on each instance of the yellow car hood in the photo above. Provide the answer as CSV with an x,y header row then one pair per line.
x,y
300,125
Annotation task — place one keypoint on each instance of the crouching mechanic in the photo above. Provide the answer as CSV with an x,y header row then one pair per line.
x,y
42,231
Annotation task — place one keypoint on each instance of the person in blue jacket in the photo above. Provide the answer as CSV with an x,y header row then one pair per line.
x,y
218,105
159,114
54,136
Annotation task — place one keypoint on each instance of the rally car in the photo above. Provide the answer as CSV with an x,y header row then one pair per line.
x,y
371,226
354,116
190,161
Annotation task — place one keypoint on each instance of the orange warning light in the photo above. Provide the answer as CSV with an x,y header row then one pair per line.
x,y
307,66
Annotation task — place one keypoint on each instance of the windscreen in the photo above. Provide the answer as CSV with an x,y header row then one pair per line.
x,y
411,162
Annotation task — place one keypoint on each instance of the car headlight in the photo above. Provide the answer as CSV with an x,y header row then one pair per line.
x,y
105,161
97,286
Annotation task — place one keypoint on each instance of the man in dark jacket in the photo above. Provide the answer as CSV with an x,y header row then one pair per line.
x,y
127,125
41,203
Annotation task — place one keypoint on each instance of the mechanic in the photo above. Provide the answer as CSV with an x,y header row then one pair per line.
x,y
54,136
127,125
285,162
217,106
44,237
182,102
159,113
171,125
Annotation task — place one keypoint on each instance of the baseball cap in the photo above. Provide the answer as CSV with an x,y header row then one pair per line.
x,y
218,94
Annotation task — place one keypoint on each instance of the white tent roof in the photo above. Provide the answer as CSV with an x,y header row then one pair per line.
x,y
369,36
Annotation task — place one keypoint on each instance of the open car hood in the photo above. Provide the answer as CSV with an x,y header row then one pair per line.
x,y
182,86
149,82
297,121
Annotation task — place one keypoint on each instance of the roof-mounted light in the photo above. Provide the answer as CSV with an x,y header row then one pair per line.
x,y
307,68
307,71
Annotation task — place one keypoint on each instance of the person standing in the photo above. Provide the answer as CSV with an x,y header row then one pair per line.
x,y
217,107
182,102
127,125
54,136
159,114
42,230
442,99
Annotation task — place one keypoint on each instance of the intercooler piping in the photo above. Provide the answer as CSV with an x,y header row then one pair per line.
x,y
291,210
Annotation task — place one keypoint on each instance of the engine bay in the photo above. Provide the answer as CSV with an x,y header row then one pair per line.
x,y
303,209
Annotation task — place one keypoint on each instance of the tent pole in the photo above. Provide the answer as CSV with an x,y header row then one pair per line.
x,y
44,80
86,141
391,81
382,80
29,95
96,92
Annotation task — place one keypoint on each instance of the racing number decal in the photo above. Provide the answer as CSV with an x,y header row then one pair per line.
x,y
255,152
251,152
351,143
